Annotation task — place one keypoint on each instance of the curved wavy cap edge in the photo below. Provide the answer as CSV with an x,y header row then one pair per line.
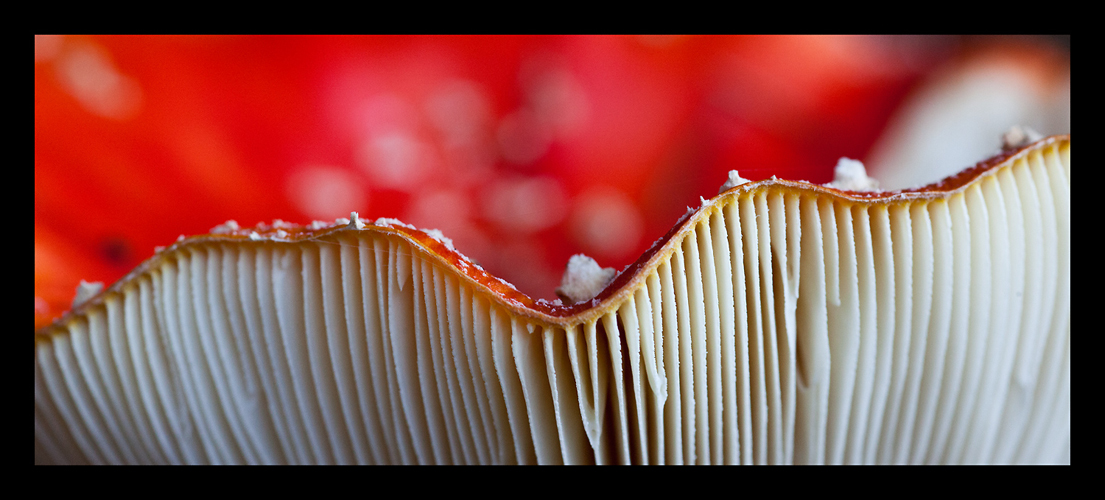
x,y
434,244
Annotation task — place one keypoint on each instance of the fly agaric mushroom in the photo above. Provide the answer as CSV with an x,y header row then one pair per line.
x,y
780,322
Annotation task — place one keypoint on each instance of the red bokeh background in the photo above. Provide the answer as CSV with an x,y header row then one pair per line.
x,y
523,149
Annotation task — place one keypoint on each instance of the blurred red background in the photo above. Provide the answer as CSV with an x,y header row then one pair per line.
x,y
523,149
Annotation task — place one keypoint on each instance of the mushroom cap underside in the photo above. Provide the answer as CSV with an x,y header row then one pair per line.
x,y
779,322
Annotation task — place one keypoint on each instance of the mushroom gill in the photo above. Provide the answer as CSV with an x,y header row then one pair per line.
x,y
781,322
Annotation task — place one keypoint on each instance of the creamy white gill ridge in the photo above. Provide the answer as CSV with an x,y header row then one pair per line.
x,y
781,322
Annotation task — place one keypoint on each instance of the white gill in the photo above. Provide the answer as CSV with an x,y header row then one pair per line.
x,y
782,328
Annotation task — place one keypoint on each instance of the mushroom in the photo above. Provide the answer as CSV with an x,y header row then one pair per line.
x,y
780,322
